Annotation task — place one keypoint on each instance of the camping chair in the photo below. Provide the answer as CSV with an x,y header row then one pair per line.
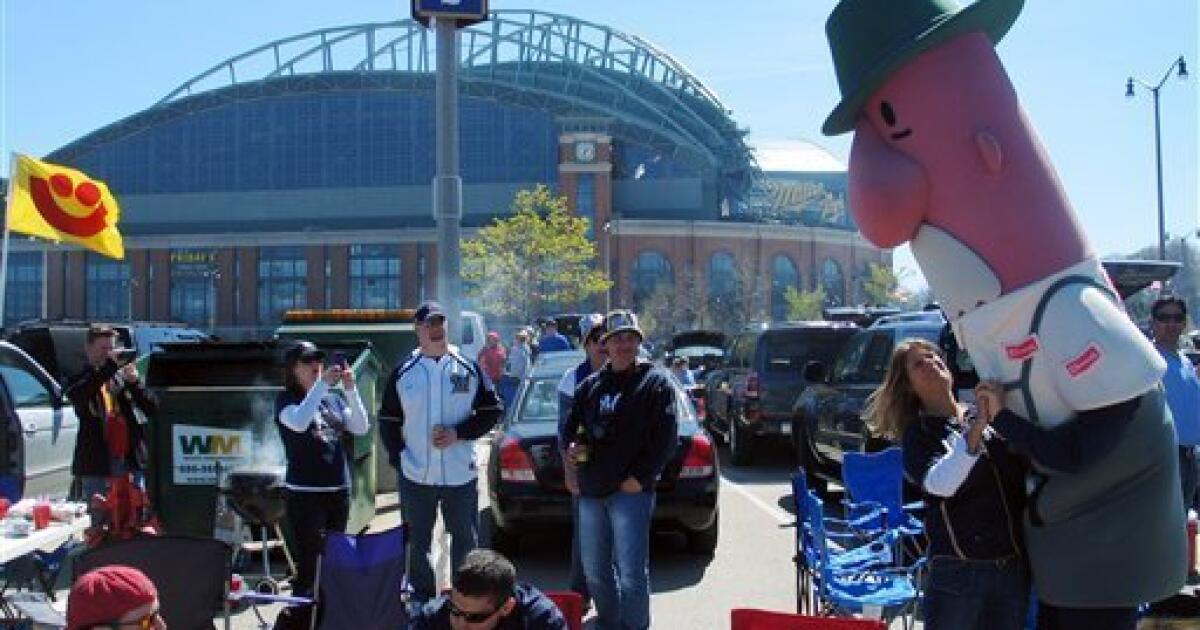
x,y
849,548
359,583
845,589
191,575
875,488
570,604
752,619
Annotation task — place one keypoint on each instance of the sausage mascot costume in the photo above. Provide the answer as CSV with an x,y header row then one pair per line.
x,y
944,157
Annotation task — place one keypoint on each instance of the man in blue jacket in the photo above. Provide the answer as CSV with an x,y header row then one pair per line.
x,y
627,411
487,596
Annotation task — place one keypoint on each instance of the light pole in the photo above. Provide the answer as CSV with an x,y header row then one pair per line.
x,y
1154,89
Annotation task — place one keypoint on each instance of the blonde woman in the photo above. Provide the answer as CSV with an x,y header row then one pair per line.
x,y
972,486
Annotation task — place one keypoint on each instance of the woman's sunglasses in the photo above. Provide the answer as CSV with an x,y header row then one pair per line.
x,y
470,617
1174,318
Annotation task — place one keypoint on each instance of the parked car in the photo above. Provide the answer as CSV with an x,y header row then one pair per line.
x,y
525,470
750,397
38,428
704,350
826,417
57,345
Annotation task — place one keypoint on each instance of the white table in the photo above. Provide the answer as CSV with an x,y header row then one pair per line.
x,y
47,539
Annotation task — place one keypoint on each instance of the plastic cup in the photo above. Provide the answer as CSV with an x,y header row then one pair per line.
x,y
41,516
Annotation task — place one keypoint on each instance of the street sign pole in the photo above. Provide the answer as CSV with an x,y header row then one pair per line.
x,y
447,185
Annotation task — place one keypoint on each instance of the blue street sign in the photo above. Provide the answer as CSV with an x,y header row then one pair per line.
x,y
465,11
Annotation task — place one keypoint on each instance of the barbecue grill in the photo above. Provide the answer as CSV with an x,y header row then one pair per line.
x,y
259,498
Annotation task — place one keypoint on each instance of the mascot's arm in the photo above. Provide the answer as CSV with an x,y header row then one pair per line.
x,y
1072,446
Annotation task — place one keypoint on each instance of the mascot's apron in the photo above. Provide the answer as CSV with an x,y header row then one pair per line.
x,y
1113,533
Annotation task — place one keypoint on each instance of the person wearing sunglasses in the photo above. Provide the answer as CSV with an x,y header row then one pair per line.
x,y
116,597
486,596
1169,315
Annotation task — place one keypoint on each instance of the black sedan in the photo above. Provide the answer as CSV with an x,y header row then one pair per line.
x,y
525,471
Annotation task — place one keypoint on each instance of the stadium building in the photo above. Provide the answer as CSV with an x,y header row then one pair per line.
x,y
297,174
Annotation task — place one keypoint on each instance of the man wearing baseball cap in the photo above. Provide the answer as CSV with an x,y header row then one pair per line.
x,y
114,596
436,404
619,435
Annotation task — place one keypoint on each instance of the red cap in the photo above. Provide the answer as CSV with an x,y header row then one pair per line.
x,y
105,594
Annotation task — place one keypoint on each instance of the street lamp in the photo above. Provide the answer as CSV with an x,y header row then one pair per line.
x,y
1154,89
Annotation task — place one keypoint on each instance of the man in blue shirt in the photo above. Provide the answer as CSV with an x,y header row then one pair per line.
x,y
1183,390
551,340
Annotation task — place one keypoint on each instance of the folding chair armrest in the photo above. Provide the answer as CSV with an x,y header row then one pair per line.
x,y
915,506
263,598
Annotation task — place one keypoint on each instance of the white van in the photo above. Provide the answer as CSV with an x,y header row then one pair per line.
x,y
473,336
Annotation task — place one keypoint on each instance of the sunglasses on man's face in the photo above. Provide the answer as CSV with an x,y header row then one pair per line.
x,y
470,617
145,623
1170,318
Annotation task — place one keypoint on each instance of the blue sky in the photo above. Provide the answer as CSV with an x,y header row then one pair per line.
x,y
70,67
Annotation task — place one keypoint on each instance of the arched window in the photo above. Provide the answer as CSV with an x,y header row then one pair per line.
x,y
833,282
783,275
722,279
651,271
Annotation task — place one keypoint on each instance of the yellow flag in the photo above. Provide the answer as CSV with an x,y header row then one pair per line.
x,y
62,204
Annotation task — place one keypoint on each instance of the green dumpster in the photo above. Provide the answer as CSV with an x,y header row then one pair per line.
x,y
216,408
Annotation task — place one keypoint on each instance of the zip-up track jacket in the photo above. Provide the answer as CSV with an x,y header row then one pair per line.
x,y
424,392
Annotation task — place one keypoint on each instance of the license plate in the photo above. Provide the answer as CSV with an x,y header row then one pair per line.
x,y
785,429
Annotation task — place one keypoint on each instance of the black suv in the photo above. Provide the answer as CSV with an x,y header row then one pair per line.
x,y
751,396
827,415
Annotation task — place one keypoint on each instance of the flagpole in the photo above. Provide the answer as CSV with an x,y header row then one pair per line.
x,y
8,203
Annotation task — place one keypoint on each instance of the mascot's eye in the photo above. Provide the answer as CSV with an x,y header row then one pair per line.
x,y
889,114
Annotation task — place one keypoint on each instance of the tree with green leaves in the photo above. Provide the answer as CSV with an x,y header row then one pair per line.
x,y
879,287
804,305
539,258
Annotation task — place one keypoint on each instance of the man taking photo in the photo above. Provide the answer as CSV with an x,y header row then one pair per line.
x,y
108,396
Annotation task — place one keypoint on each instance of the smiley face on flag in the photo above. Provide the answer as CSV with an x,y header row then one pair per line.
x,y
74,208
59,203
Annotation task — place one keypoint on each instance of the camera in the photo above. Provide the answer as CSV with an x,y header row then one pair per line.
x,y
125,355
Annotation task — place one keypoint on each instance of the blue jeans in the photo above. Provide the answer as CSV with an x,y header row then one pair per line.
x,y
615,530
980,594
578,578
418,508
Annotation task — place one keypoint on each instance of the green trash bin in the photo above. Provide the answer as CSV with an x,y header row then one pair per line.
x,y
216,409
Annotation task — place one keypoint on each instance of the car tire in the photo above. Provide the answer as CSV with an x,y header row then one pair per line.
x,y
704,541
741,443
501,540
803,449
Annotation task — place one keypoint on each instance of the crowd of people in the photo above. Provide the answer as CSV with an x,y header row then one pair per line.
x,y
972,462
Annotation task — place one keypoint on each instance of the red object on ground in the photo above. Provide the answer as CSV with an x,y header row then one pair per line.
x,y
571,605
123,514
751,619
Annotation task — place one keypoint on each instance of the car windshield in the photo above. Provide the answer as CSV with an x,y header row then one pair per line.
x,y
699,351
540,402
791,353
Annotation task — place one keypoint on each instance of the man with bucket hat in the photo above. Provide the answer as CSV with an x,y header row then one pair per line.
x,y
944,157
619,435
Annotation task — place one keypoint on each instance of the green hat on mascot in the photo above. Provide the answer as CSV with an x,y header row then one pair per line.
x,y
871,39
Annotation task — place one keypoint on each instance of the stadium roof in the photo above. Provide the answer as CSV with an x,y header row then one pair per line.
x,y
592,76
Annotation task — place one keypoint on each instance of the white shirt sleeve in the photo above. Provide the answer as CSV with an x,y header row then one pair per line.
x,y
948,472
298,417
357,422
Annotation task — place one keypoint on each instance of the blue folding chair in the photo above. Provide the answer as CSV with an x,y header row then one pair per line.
x,y
848,548
886,592
874,485
359,583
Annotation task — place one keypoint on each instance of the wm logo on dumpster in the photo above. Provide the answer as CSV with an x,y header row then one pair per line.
x,y
210,444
